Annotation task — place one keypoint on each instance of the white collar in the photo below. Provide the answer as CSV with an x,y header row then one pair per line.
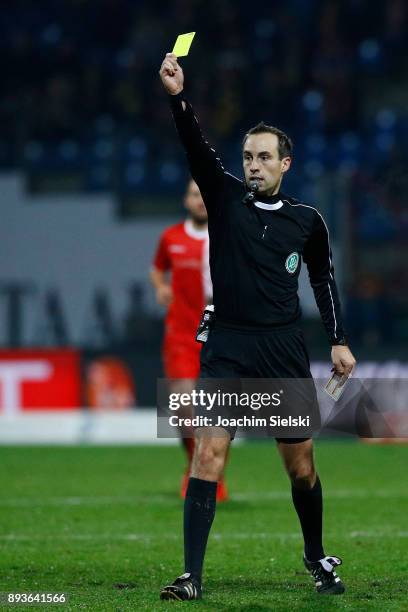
x,y
266,206
193,232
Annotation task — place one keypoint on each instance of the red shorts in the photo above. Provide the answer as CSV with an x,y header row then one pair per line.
x,y
181,357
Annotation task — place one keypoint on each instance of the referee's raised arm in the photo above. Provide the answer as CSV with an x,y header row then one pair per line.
x,y
205,166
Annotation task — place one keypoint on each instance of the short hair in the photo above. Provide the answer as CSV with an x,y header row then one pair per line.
x,y
285,145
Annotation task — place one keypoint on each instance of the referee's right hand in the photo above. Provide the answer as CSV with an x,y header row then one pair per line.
x,y
171,74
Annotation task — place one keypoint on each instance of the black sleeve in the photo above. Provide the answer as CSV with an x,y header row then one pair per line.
x,y
318,257
205,167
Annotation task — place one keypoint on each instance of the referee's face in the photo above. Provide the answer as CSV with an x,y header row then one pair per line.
x,y
261,161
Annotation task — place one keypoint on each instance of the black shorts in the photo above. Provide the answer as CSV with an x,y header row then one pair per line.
x,y
278,353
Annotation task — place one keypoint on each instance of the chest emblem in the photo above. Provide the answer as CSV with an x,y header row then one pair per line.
x,y
292,262
177,248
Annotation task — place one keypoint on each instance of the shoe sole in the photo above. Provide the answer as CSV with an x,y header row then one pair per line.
x,y
335,590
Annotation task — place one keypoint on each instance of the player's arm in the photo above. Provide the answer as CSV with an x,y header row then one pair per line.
x,y
205,166
164,293
159,272
318,258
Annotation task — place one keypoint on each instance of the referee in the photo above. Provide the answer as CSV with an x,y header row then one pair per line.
x,y
257,237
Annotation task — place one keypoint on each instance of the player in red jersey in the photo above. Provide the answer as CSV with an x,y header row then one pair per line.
x,y
183,256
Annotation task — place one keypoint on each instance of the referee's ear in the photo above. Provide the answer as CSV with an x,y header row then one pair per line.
x,y
285,164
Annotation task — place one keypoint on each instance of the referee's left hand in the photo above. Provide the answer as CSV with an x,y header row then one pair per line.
x,y
343,360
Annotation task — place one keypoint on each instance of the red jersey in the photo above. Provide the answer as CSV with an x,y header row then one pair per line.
x,y
183,251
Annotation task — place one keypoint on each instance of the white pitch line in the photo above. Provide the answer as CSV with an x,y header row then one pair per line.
x,y
255,496
143,537
340,494
79,501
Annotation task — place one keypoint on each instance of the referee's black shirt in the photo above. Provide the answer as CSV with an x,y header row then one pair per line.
x,y
256,249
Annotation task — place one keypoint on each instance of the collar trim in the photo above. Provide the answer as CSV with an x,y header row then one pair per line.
x,y
197,234
266,206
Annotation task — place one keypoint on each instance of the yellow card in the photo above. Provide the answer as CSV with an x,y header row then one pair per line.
x,y
183,44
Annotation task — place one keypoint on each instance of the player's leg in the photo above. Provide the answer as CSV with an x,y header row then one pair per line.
x,y
185,385
307,498
210,454
181,364
182,367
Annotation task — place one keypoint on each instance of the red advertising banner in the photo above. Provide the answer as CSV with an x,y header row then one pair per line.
x,y
39,380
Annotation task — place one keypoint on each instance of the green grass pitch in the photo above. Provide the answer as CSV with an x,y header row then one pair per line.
x,y
104,525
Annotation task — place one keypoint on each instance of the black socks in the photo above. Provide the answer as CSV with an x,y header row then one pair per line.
x,y
199,511
309,506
